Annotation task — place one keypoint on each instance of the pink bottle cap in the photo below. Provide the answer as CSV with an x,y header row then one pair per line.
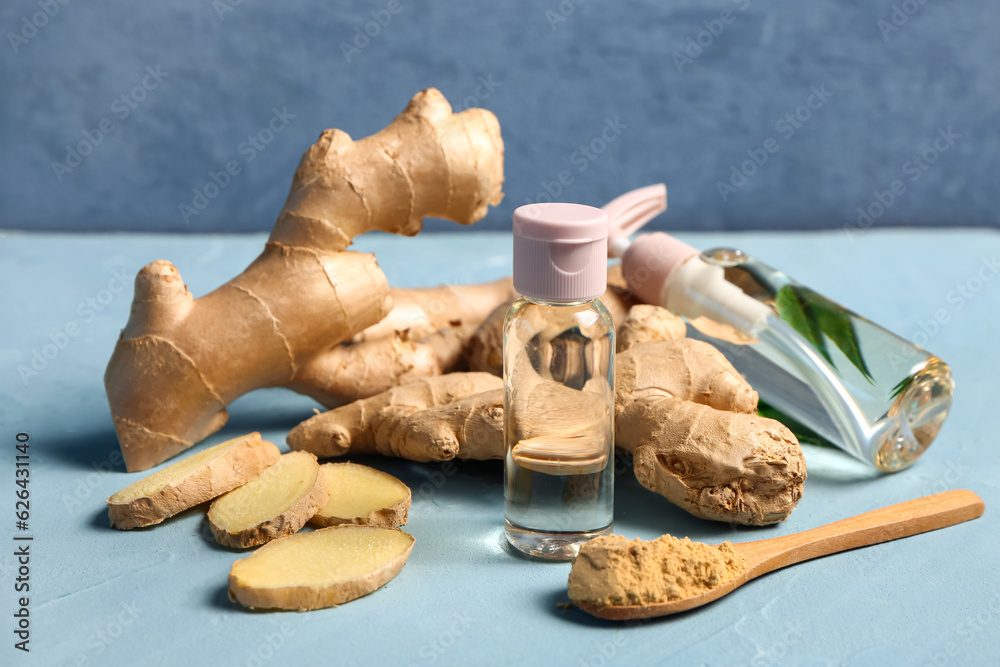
x,y
560,252
648,262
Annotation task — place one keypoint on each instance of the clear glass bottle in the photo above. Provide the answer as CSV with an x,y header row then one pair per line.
x,y
559,342
878,396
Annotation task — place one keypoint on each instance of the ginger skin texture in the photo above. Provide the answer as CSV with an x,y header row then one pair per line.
x,y
180,361
459,415
690,422
424,335
684,413
191,481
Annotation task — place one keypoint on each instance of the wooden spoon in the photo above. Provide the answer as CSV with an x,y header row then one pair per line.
x,y
763,556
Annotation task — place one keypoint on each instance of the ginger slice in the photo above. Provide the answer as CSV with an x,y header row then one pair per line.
x,y
362,495
191,481
276,503
323,568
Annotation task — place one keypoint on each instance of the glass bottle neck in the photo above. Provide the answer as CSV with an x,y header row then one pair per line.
x,y
549,302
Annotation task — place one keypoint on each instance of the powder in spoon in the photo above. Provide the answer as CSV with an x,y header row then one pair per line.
x,y
612,570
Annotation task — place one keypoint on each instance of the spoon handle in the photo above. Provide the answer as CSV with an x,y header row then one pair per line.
x,y
881,525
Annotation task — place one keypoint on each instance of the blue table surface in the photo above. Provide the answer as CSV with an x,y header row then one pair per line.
x,y
158,596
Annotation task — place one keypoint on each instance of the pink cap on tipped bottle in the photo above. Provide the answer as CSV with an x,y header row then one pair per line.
x,y
648,262
560,252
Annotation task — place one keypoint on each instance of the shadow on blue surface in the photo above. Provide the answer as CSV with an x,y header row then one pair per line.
x,y
94,451
218,598
99,449
100,521
205,533
639,510
554,603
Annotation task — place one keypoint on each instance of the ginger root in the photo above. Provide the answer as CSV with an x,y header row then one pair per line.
x,y
647,324
690,421
681,409
424,335
180,361
424,310
428,420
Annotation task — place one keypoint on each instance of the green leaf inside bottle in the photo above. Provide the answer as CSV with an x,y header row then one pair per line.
x,y
803,433
816,318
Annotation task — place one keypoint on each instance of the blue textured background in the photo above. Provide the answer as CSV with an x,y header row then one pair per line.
x,y
554,84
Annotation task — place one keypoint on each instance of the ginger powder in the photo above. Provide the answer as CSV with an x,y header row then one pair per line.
x,y
612,570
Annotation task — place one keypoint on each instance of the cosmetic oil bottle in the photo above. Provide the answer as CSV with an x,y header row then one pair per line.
x,y
558,371
878,396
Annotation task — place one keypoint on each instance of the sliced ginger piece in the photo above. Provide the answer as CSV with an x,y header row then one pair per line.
x,y
276,503
323,568
363,496
191,481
